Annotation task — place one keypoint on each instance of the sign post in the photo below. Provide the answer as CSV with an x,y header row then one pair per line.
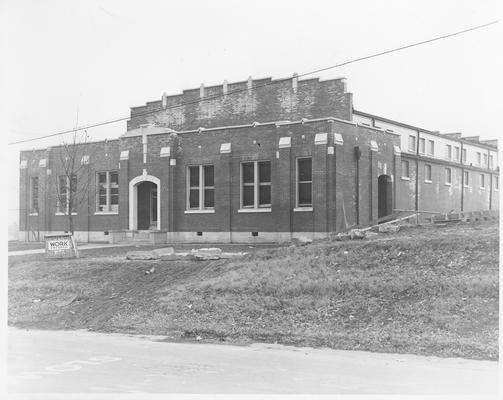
x,y
61,246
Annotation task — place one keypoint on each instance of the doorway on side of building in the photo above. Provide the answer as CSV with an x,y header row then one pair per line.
x,y
384,196
147,206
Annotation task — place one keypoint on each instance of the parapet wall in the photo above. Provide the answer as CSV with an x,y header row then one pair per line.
x,y
261,100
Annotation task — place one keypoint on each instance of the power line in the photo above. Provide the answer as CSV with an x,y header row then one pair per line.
x,y
195,101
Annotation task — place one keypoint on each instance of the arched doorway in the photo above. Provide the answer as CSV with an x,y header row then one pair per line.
x,y
384,196
144,203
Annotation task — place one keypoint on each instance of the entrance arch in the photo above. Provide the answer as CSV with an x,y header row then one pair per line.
x,y
384,196
149,188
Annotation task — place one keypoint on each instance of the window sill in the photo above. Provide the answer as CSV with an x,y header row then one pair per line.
x,y
466,186
255,210
448,184
199,211
303,209
482,188
65,214
33,214
106,213
427,181
405,178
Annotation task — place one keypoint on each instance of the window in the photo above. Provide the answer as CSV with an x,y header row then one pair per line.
x,y
490,161
464,156
448,151
466,179
405,169
412,143
482,181
67,190
448,176
496,182
200,187
34,195
427,173
422,145
256,184
304,182
479,158
107,192
456,153
485,159
431,147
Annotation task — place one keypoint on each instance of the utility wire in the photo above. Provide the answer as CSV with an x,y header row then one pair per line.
x,y
195,101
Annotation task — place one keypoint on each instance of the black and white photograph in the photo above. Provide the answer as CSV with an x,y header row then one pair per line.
x,y
251,198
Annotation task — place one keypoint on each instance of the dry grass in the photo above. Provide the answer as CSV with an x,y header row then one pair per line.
x,y
426,290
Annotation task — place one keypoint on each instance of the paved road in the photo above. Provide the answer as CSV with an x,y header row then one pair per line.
x,y
84,362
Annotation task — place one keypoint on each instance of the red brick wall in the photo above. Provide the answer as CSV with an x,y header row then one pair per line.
x,y
277,101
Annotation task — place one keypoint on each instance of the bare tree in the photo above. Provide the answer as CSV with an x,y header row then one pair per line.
x,y
72,186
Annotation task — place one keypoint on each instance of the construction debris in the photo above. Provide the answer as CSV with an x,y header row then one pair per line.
x,y
387,228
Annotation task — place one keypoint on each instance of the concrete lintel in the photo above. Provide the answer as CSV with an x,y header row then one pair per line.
x,y
225,148
285,142
321,138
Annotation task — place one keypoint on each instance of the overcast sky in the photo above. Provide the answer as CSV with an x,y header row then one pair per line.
x,y
98,58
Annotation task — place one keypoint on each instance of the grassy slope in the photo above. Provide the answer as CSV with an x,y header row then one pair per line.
x,y
425,291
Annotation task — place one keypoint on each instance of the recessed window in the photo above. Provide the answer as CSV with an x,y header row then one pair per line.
x,y
67,191
485,159
456,153
482,181
256,184
405,169
448,176
448,151
491,161
34,195
431,148
466,179
200,187
422,145
479,158
108,191
427,173
304,182
464,156
412,143
496,182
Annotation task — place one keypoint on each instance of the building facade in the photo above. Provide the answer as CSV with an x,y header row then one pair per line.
x,y
258,160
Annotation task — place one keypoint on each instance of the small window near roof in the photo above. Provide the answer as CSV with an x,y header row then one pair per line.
x,y
448,176
427,173
405,169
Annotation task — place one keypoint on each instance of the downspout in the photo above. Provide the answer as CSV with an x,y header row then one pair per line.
x,y
462,178
357,156
490,182
416,205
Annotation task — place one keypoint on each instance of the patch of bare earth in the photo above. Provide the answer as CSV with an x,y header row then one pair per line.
x,y
424,290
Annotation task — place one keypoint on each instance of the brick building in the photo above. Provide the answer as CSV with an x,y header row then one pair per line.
x,y
258,160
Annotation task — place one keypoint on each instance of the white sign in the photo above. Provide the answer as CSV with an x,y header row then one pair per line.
x,y
59,244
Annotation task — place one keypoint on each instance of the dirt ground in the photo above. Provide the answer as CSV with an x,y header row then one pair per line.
x,y
424,290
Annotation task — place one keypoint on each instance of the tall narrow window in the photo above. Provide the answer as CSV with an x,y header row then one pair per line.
x,y
456,153
448,151
466,179
431,148
448,176
427,173
422,145
485,160
479,158
201,187
491,161
405,169
412,143
256,184
482,181
67,191
496,182
304,182
34,195
464,156
107,193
